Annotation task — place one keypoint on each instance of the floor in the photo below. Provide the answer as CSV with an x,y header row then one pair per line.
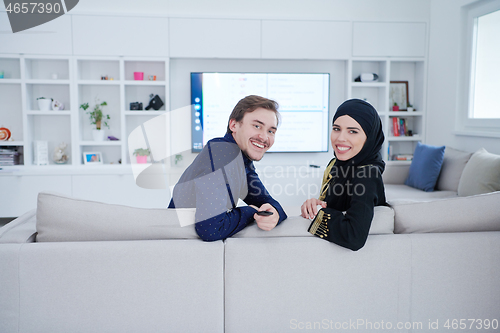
x,y
5,220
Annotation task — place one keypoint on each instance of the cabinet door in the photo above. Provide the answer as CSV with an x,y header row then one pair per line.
x,y
19,193
306,40
124,36
388,39
53,37
212,38
118,189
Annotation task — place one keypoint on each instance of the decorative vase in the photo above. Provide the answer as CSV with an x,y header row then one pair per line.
x,y
395,108
98,135
44,104
410,109
139,76
142,159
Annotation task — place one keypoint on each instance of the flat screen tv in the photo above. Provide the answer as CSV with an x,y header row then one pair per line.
x,y
303,100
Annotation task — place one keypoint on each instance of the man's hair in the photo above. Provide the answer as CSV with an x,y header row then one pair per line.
x,y
250,104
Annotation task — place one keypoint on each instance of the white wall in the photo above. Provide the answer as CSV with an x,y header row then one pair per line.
x,y
369,10
443,79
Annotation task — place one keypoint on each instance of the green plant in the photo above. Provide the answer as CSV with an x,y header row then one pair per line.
x,y
395,104
178,158
96,116
142,152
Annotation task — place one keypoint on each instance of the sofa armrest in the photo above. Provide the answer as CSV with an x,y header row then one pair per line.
x,y
396,173
20,230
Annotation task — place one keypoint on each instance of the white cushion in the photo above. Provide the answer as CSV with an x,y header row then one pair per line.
x,y
481,174
20,230
296,226
461,214
453,165
64,219
394,193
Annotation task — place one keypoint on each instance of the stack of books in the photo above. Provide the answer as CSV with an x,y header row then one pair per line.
x,y
402,157
8,157
399,127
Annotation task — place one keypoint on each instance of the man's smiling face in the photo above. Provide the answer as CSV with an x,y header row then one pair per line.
x,y
255,133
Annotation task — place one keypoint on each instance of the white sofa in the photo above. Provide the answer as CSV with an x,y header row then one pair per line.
x,y
85,272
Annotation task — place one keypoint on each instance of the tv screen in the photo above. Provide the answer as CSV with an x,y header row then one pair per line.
x,y
303,100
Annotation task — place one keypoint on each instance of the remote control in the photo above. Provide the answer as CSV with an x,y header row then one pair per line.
x,y
264,213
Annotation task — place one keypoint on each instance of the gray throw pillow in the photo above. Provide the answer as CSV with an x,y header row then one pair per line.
x,y
481,174
453,165
60,218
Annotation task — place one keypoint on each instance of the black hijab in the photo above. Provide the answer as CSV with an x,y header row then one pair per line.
x,y
366,115
342,172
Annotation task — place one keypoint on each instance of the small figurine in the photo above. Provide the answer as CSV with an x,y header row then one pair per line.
x,y
56,105
60,156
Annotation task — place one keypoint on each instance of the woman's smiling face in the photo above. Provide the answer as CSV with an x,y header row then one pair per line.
x,y
348,137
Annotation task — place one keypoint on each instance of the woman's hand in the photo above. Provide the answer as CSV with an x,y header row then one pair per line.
x,y
309,208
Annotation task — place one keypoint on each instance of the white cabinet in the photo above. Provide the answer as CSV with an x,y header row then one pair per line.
x,y
53,37
118,93
19,193
410,124
124,36
306,40
388,39
75,81
214,38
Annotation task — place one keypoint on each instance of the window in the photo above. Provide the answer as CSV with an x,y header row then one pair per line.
x,y
480,103
485,67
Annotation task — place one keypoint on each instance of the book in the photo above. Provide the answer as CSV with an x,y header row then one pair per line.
x,y
403,157
395,126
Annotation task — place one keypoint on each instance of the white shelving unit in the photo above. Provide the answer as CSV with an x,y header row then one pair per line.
x,y
73,81
412,70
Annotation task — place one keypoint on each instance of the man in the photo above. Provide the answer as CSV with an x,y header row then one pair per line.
x,y
224,172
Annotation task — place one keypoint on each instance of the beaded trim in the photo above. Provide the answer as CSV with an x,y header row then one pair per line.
x,y
319,226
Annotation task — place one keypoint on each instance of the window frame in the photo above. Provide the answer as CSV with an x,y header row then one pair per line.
x,y
485,126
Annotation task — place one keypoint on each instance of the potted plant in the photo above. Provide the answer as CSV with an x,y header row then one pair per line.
x,y
142,154
395,107
410,108
97,118
44,104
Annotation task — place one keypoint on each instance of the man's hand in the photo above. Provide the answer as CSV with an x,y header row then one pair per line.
x,y
266,222
309,208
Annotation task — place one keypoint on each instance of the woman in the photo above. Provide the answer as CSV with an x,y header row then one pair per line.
x,y
352,182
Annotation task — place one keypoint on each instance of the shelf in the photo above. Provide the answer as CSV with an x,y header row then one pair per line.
x,y
389,162
74,80
404,138
10,81
11,143
101,143
48,113
404,113
144,113
144,83
34,81
98,82
369,84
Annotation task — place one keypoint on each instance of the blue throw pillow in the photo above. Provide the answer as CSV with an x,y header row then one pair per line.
x,y
425,167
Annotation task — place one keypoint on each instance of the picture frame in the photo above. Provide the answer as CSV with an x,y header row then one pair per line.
x,y
398,93
92,158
